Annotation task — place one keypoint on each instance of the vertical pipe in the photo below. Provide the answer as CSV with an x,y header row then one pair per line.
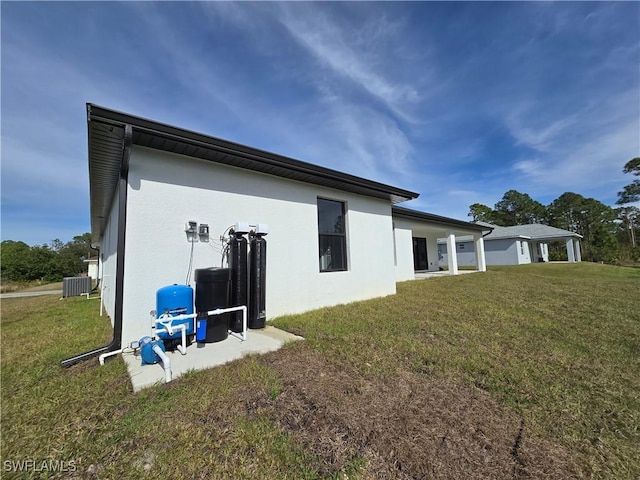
x,y
238,266
123,184
166,363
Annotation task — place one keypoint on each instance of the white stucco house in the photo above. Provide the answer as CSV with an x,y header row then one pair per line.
x,y
333,237
92,267
515,245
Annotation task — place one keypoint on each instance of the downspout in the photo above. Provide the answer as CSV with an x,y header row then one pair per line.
x,y
99,270
122,222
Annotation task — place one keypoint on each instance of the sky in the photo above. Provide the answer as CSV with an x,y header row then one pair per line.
x,y
457,101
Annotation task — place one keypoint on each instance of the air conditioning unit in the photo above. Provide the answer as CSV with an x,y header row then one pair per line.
x,y
74,286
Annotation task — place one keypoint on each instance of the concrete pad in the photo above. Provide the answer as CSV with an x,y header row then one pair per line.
x,y
207,355
443,273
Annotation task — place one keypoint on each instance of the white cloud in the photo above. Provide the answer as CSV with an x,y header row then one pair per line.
x,y
585,151
543,136
531,168
373,140
352,54
462,193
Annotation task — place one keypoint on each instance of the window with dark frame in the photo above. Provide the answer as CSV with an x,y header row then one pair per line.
x,y
332,237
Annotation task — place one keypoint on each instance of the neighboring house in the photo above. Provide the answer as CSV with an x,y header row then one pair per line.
x,y
514,245
334,238
92,267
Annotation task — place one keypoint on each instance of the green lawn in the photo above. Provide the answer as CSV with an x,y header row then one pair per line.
x,y
522,371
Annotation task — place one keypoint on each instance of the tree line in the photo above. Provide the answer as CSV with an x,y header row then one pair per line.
x,y
609,234
50,263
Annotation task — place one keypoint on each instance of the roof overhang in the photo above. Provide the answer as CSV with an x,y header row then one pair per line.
x,y
552,237
437,220
556,237
106,144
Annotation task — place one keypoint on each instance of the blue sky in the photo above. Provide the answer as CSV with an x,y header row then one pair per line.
x,y
457,101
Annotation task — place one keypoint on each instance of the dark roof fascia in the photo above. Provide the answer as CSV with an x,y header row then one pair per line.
x,y
407,213
278,165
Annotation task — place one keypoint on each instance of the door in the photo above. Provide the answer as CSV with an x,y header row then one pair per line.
x,y
420,261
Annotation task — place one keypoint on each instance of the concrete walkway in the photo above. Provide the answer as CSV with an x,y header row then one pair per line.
x,y
444,273
30,294
206,355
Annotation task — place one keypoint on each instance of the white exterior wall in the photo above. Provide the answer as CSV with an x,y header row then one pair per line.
x,y
501,252
108,259
166,190
465,253
92,269
403,251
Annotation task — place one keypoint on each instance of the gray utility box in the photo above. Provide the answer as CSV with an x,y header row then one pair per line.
x,y
74,286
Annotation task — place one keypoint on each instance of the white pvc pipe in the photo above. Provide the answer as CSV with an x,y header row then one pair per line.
x,y
243,335
166,363
170,329
220,311
184,316
102,289
108,354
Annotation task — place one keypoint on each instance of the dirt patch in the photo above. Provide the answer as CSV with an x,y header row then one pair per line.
x,y
408,426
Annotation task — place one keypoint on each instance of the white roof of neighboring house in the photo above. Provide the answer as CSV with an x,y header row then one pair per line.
x,y
535,231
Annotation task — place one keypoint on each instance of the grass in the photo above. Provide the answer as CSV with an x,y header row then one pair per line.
x,y
558,343
88,414
554,348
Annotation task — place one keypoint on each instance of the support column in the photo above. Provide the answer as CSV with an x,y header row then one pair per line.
x,y
452,256
481,262
545,251
570,253
576,244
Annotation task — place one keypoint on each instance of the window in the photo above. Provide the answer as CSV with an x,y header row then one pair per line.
x,y
332,237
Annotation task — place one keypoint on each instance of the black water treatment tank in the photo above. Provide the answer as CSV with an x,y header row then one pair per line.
x,y
212,291
257,282
239,278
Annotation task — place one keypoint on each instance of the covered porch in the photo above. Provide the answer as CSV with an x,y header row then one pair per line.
x,y
416,237
540,248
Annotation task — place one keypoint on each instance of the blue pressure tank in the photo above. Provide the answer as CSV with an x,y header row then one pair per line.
x,y
174,300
